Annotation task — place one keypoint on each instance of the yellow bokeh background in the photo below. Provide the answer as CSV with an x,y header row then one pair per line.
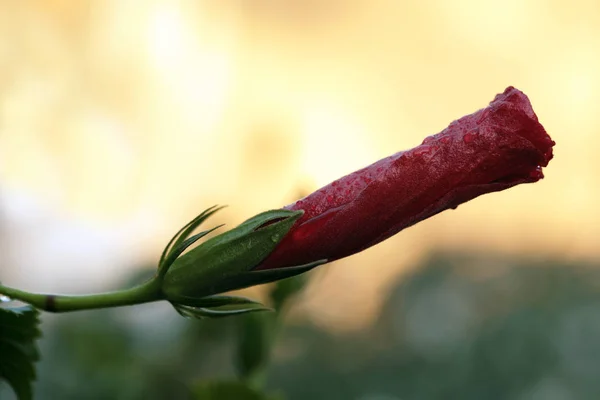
x,y
122,119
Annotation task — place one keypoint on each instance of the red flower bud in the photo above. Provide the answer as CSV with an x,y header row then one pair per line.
x,y
493,149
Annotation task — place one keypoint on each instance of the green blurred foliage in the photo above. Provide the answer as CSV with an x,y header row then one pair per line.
x,y
216,390
258,333
283,291
255,336
460,327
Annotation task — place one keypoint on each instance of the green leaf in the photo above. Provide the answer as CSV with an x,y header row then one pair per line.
x,y
218,312
230,391
215,266
184,233
18,351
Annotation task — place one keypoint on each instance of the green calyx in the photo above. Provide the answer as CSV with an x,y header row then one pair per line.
x,y
225,262
182,239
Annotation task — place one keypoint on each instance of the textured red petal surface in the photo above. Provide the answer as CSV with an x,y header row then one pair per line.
x,y
493,149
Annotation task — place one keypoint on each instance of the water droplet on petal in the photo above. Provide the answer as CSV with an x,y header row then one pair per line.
x,y
537,173
469,137
428,139
452,124
423,149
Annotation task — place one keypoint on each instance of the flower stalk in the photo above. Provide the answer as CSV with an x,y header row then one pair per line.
x,y
147,292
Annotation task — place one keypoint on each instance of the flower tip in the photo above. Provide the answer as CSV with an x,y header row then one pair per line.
x,y
513,110
517,99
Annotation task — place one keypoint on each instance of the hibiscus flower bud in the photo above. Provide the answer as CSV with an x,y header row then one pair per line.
x,y
493,149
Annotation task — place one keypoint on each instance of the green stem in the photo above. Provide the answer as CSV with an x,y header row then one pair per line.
x,y
144,293
270,326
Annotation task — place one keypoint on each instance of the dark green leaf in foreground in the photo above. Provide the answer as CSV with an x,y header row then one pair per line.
x,y
230,390
18,351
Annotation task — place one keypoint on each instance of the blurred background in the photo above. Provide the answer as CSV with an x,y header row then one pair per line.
x,y
120,120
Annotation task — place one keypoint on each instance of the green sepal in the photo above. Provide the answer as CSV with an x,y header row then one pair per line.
x,y
217,301
279,223
176,252
224,262
182,235
252,278
218,312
